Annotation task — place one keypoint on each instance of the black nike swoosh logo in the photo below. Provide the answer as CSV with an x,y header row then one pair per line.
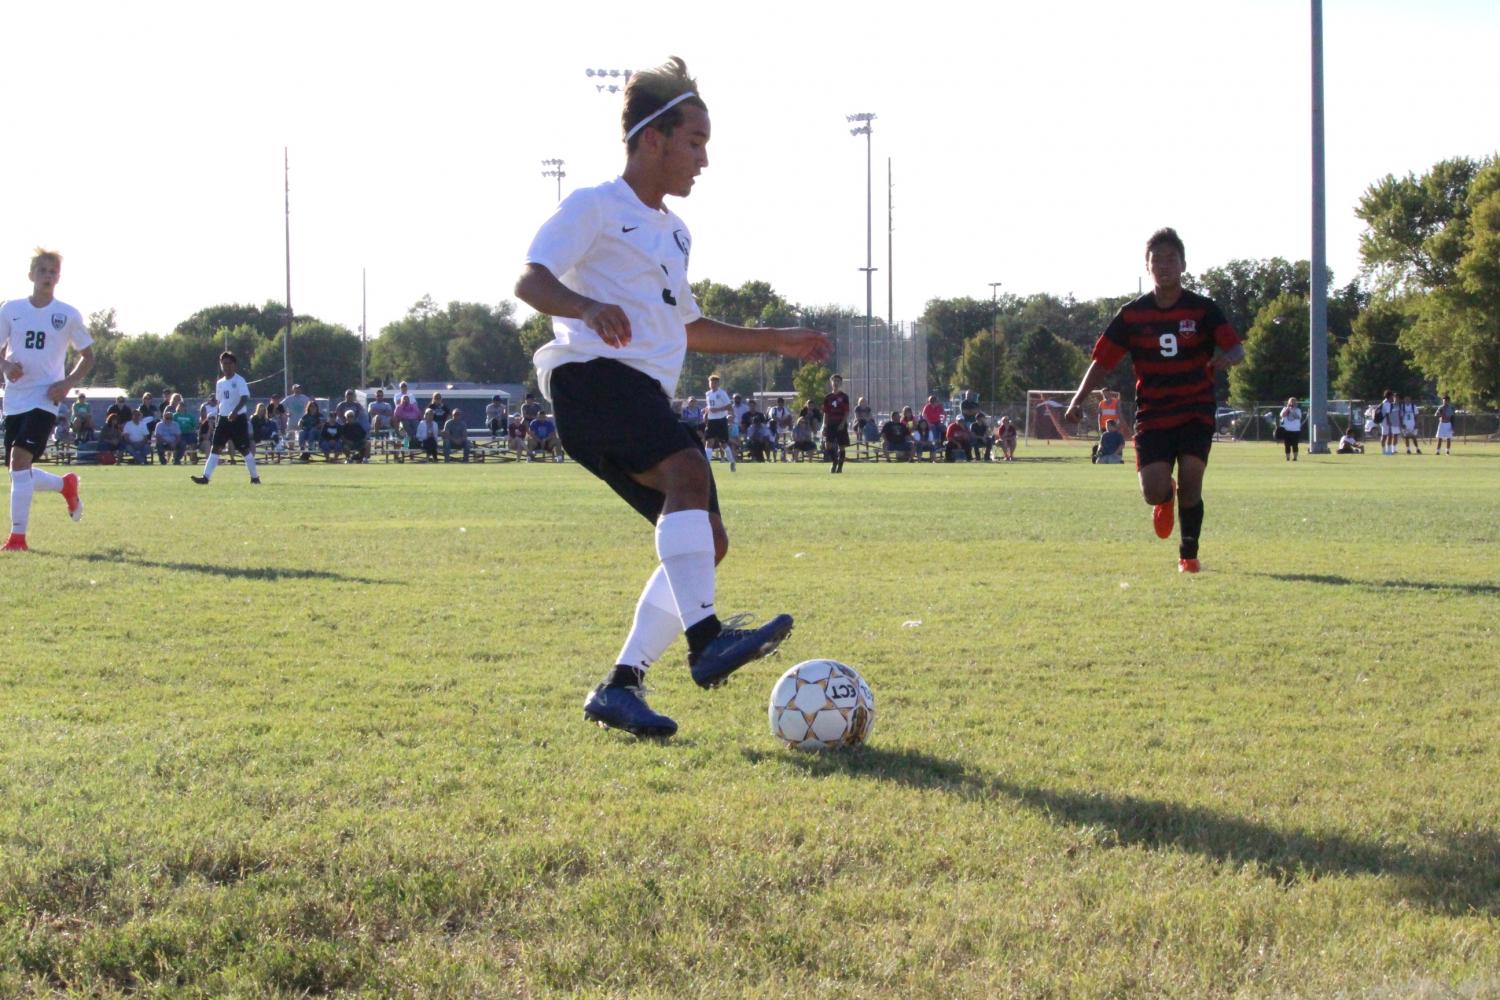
x,y
629,229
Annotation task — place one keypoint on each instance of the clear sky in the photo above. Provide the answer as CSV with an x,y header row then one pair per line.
x,y
1036,146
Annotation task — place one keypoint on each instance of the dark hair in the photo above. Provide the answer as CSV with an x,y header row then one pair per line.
x,y
648,90
1166,236
226,356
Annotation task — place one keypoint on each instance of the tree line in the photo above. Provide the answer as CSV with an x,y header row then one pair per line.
x,y
1422,316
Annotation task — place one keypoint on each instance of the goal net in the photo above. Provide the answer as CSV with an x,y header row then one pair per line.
x,y
1044,416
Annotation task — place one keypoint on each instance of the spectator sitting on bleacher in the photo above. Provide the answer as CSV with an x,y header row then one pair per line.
x,y
408,414
981,431
310,428
895,437
281,419
1111,447
517,431
111,439
356,437
439,408
262,427
207,414
63,436
925,440
803,443
530,409
83,417
1005,436
495,418
168,436
382,414
933,411
120,408
296,406
761,440
148,410
865,428
350,408
959,444
427,435
455,436
779,417
137,438
542,433
692,413
331,437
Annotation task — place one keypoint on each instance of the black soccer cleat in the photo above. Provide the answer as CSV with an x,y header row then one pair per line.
x,y
625,708
254,480
734,647
200,480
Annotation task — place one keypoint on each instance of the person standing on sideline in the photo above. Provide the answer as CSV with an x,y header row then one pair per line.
x,y
1390,423
1444,416
611,267
1409,425
1290,428
718,408
836,423
1177,340
232,402
35,334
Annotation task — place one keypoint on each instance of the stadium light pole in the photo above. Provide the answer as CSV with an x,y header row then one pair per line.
x,y
865,129
1317,352
608,81
994,340
555,169
286,342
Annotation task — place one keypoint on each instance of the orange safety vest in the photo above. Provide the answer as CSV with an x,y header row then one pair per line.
x,y
1109,409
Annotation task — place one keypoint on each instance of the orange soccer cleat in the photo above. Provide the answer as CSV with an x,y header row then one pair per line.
x,y
70,494
1162,516
16,543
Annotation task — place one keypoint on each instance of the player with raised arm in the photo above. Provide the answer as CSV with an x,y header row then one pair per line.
x,y
611,267
232,403
1176,341
35,334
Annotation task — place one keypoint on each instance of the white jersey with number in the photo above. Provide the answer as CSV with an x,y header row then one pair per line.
x,y
38,339
605,243
228,392
718,405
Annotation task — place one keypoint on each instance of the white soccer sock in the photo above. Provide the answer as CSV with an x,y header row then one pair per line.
x,y
210,465
250,464
20,500
685,545
656,625
45,481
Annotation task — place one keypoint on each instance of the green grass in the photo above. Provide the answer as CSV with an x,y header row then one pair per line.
x,y
324,737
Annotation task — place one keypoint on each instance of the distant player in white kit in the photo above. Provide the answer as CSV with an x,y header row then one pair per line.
x,y
1445,427
35,334
232,402
611,267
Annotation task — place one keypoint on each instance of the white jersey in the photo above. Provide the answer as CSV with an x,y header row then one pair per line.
x,y
228,392
717,405
1291,419
605,243
38,339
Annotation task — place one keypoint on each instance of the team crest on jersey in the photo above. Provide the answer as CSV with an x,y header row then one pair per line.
x,y
59,320
1187,326
684,243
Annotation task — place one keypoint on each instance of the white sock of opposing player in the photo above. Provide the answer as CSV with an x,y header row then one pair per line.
x,y
685,545
656,625
45,481
210,465
250,465
20,500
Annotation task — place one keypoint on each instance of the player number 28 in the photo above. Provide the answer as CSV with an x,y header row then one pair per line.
x,y
1168,342
36,340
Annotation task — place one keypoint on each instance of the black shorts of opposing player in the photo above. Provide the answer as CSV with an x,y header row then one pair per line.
x,y
615,421
716,431
1167,444
29,430
836,432
236,430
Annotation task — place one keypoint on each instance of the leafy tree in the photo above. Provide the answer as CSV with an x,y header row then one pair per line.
x,y
1418,226
466,341
811,382
1371,361
265,320
948,324
106,336
1275,364
984,365
154,384
1042,360
1242,288
324,357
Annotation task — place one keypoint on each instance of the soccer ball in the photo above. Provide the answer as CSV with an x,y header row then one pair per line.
x,y
822,705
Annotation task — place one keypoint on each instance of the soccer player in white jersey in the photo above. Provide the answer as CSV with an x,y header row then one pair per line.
x,y
611,268
232,401
718,411
1444,427
35,334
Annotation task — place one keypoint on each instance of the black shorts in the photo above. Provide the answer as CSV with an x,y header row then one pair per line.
x,y
235,429
836,433
717,431
616,422
1168,444
29,430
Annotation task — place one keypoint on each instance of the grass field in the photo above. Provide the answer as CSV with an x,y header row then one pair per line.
x,y
324,737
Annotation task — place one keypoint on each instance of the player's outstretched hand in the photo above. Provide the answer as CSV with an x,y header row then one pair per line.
x,y
1073,413
58,391
804,344
609,322
13,370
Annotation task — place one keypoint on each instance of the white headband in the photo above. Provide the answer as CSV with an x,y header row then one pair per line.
x,y
658,113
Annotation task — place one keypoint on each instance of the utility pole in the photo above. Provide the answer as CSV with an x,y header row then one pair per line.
x,y
1317,353
286,342
994,343
555,169
865,129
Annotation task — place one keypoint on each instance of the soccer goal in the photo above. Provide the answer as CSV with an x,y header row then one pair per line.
x,y
1044,416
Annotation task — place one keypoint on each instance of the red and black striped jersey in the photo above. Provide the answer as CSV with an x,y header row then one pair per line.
x,y
1170,350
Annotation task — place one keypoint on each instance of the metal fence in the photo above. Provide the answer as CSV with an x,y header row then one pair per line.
x,y
885,364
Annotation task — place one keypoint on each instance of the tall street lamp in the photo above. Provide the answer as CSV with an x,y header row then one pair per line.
x,y
864,128
994,343
608,81
555,169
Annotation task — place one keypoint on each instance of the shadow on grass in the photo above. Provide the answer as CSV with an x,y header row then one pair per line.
x,y
1344,581
1460,874
121,558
